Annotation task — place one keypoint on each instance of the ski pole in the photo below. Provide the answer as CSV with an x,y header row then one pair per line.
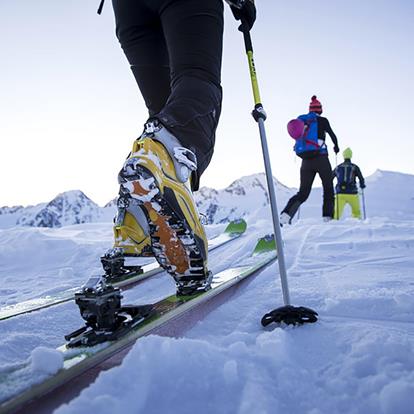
x,y
336,195
363,203
287,314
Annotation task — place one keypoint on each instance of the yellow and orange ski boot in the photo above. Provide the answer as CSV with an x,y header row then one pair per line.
x,y
157,176
131,240
131,230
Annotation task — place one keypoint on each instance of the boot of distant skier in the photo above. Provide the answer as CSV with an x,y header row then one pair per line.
x,y
285,219
156,179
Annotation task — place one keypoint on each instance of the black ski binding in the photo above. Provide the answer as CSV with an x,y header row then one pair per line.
x,y
290,315
106,320
193,285
113,263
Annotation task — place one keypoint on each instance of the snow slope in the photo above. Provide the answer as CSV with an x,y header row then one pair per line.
x,y
37,261
358,358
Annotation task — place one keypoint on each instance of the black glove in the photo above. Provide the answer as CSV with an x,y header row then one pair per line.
x,y
336,149
245,11
362,185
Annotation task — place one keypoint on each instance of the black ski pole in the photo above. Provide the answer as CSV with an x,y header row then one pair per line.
x,y
287,314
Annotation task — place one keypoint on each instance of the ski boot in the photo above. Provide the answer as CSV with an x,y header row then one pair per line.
x,y
131,230
285,219
157,177
131,239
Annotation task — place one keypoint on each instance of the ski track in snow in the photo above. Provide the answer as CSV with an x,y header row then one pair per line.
x,y
358,358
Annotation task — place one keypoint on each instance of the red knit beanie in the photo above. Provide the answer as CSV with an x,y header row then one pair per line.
x,y
315,105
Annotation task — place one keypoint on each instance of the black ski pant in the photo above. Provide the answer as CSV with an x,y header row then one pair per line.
x,y
310,167
174,48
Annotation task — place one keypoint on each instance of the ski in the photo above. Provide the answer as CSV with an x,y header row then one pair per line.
x,y
79,359
141,269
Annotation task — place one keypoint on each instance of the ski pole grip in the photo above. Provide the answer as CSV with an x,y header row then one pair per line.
x,y
247,41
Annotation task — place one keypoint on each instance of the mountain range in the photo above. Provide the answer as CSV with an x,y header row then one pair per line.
x,y
243,198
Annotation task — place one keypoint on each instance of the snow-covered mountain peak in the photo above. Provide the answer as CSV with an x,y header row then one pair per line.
x,y
70,207
10,210
384,175
242,197
247,182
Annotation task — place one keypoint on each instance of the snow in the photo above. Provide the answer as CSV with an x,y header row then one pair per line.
x,y
46,360
358,358
39,261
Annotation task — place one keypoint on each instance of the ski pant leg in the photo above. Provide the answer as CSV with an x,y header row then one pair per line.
x,y
340,202
193,31
353,200
139,31
307,175
175,50
325,173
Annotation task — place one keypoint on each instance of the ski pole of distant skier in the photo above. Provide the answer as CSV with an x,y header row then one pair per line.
x,y
363,203
336,195
287,314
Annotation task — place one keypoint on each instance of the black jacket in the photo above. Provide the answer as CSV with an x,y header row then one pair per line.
x,y
323,128
346,174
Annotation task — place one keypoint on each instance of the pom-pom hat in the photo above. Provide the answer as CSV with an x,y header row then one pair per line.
x,y
315,105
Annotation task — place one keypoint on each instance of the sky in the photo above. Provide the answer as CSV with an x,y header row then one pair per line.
x,y
70,108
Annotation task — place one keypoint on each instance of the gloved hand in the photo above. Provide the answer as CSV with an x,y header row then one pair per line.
x,y
362,186
245,11
336,149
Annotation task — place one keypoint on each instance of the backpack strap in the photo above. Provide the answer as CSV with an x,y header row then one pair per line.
x,y
315,144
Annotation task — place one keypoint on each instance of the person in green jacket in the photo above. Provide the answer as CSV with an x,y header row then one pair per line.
x,y
346,188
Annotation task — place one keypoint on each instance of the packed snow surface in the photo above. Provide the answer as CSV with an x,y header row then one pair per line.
x,y
358,358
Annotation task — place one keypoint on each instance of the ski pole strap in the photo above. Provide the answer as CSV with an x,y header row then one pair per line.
x,y
290,315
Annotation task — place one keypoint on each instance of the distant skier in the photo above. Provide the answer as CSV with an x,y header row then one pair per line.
x,y
174,48
311,147
346,187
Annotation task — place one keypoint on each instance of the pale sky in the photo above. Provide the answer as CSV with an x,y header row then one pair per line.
x,y
70,108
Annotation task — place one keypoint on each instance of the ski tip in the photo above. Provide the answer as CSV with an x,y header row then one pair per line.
x,y
265,244
237,226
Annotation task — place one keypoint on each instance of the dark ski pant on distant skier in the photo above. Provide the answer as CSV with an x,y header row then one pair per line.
x,y
310,167
174,48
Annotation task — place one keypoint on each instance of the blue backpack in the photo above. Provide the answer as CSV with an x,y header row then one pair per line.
x,y
307,146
